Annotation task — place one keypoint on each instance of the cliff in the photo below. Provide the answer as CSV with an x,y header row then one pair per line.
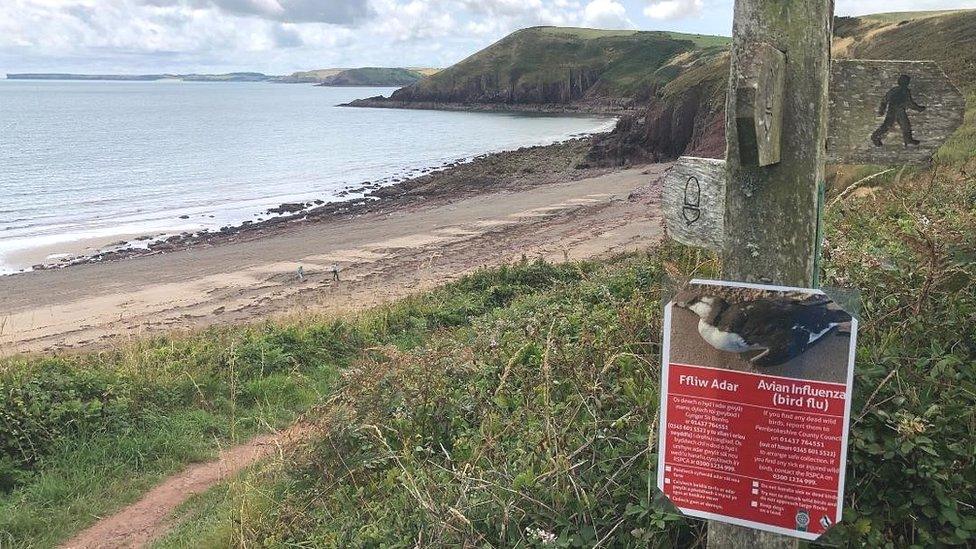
x,y
582,69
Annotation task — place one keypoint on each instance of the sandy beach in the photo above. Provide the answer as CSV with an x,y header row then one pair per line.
x,y
393,248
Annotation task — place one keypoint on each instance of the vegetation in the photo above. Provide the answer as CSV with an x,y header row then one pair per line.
x,y
536,420
517,405
363,76
373,76
80,435
558,65
944,37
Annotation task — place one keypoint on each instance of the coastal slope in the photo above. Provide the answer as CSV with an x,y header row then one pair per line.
x,y
373,76
361,76
575,68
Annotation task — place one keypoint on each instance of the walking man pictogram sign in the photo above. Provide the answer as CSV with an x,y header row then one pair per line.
x,y
790,110
894,108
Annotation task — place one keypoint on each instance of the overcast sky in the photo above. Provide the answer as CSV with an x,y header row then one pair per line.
x,y
282,36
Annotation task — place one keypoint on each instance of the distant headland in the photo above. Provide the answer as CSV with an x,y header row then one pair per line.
x,y
362,76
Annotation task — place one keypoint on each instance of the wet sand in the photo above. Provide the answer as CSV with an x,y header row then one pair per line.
x,y
384,253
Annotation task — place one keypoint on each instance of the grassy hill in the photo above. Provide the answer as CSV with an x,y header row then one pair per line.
x,y
309,77
363,76
560,65
948,37
372,76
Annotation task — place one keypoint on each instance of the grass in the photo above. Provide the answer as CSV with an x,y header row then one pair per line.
x,y
559,65
899,16
538,417
959,148
515,403
703,40
374,76
81,435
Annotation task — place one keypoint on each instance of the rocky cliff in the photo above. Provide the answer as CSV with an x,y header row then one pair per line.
x,y
687,116
582,69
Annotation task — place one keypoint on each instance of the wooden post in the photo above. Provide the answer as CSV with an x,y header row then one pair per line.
x,y
773,212
771,184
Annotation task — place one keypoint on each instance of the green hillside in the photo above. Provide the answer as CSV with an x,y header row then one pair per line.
x,y
363,76
559,65
948,38
372,76
308,77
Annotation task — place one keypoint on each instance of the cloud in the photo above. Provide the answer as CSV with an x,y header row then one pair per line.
x,y
272,36
337,12
514,14
674,9
606,14
412,21
286,36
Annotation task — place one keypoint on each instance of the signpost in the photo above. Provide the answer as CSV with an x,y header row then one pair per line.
x,y
694,195
857,92
789,110
859,107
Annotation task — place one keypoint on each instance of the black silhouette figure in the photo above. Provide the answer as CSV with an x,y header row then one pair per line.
x,y
894,107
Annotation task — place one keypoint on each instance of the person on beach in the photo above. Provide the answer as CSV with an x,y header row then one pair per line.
x,y
301,273
335,272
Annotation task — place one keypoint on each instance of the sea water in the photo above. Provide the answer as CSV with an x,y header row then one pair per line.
x,y
96,161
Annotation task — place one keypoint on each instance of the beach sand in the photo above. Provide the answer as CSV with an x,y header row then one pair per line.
x,y
384,253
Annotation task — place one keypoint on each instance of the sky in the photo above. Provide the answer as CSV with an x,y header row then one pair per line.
x,y
283,36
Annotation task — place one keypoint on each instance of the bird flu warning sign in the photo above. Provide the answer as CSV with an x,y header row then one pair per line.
x,y
755,404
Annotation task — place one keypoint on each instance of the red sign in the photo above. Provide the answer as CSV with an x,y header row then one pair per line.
x,y
754,449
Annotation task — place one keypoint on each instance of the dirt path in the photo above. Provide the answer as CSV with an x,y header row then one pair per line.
x,y
384,255
148,519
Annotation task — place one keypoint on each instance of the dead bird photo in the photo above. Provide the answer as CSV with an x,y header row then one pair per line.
x,y
765,329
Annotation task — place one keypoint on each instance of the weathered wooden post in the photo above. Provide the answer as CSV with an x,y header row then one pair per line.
x,y
789,110
772,214
773,205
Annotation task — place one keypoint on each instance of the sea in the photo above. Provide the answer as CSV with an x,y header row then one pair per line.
x,y
97,162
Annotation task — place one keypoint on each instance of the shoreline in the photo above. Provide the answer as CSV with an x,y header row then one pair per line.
x,y
532,202
365,197
580,108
